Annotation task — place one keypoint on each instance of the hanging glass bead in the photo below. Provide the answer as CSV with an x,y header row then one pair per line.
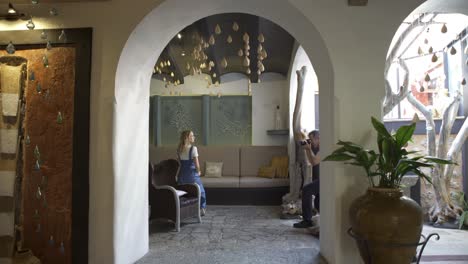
x,y
30,25
217,29
229,39
427,78
211,40
53,11
37,165
32,77
430,49
434,58
37,154
10,49
463,82
45,61
38,88
49,45
224,63
43,34
235,26
27,140
240,53
63,36
59,118
35,2
62,248
38,193
51,241
261,38
453,51
444,28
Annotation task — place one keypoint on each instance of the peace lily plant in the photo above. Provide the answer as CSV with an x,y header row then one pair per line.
x,y
392,162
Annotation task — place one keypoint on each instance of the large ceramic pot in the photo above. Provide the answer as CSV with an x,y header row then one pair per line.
x,y
383,219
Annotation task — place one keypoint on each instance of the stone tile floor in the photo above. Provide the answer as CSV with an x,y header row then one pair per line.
x,y
233,234
255,234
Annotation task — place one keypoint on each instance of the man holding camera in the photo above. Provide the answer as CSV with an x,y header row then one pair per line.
x,y
313,188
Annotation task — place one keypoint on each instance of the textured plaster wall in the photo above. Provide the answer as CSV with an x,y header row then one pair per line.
x,y
347,46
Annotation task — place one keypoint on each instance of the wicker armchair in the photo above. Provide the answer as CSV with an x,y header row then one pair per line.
x,y
163,199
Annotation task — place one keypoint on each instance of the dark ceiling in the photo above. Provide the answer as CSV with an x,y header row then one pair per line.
x,y
194,52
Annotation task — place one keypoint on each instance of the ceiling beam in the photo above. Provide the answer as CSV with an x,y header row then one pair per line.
x,y
357,2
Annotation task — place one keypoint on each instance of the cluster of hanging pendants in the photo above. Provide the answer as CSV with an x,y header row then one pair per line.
x,y
40,190
200,58
435,58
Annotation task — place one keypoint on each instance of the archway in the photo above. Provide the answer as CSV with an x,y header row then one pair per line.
x,y
132,101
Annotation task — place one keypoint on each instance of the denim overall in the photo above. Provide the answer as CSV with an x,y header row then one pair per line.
x,y
188,174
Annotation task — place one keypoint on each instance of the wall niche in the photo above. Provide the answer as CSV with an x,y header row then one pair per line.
x,y
51,190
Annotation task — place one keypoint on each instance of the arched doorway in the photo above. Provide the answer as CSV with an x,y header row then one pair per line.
x,y
132,101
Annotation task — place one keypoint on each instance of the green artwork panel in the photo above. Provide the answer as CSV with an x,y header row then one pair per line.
x,y
231,120
178,114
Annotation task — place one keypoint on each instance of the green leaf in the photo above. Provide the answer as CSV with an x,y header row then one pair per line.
x,y
462,219
421,174
338,157
380,127
404,134
439,160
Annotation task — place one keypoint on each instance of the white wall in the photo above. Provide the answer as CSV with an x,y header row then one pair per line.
x,y
266,95
347,45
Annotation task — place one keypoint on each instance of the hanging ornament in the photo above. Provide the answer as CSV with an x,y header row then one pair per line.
x,y
259,72
34,2
427,78
444,28
45,61
30,25
264,54
172,74
415,118
38,192
10,48
245,37
421,89
240,53
214,75
261,67
248,71
224,63
259,48
43,34
38,88
212,64
229,39
453,51
63,36
246,61
32,77
37,165
430,49
247,53
261,38
211,40
259,81
434,58
59,118
53,11
420,51
62,248
27,140
49,45
463,82
37,154
426,41
217,29
188,66
246,46
235,26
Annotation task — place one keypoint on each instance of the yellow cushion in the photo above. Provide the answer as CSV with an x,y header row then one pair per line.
x,y
213,169
266,172
280,163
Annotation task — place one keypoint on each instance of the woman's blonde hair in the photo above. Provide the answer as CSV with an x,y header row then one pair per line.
x,y
183,137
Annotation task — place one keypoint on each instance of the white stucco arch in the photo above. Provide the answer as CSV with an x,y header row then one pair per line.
x,y
131,105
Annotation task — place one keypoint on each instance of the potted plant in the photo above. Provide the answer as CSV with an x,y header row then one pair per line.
x,y
383,218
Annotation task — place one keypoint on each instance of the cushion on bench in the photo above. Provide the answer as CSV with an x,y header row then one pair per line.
x,y
258,182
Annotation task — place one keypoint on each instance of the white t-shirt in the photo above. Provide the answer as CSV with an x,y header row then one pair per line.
x,y
185,154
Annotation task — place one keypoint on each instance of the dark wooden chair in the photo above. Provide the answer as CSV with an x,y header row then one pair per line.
x,y
163,199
